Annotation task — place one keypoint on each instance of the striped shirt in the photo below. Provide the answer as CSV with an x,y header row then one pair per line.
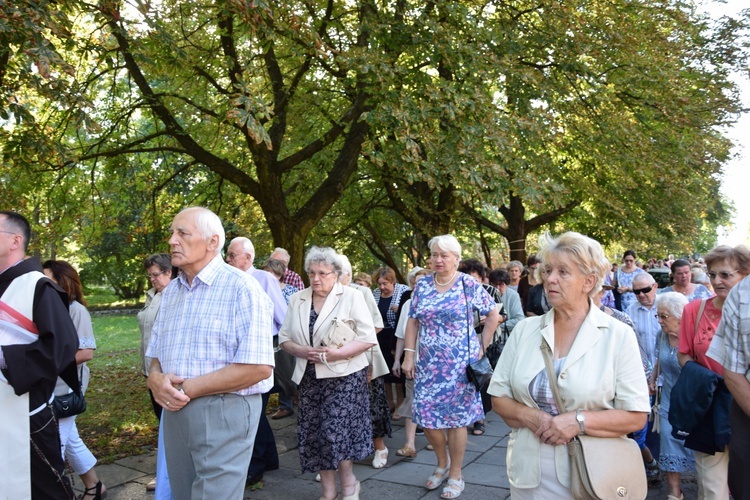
x,y
731,343
224,318
646,328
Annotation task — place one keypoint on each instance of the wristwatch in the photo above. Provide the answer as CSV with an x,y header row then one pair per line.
x,y
581,419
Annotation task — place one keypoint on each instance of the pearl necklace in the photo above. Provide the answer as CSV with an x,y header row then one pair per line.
x,y
447,282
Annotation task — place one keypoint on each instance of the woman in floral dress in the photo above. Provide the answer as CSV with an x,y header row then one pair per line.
x,y
623,279
444,400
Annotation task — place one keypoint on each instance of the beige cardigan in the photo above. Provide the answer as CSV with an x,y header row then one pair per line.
x,y
343,303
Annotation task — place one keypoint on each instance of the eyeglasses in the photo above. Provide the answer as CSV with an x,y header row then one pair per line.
x,y
643,290
663,316
722,274
628,260
155,275
319,275
232,256
8,232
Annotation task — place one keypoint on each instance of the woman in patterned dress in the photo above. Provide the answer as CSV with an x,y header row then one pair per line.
x,y
444,400
674,458
623,279
333,420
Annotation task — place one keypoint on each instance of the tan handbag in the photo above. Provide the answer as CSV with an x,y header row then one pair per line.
x,y
341,332
600,468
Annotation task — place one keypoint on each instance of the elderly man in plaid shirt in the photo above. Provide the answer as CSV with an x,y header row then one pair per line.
x,y
212,355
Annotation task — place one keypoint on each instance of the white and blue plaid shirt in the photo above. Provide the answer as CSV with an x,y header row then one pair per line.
x,y
646,327
224,318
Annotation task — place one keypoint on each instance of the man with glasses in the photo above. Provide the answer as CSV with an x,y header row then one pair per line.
x,y
646,325
39,344
241,254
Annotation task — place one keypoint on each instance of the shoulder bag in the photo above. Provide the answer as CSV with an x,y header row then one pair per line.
x,y
600,468
71,404
479,372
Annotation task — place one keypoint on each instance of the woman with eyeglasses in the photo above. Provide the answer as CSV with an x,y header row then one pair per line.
x,y
674,458
623,280
159,272
727,266
333,422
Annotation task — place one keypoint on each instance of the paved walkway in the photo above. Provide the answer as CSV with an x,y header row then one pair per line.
x,y
484,471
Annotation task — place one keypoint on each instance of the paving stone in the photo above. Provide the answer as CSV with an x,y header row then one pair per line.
x,y
144,463
486,474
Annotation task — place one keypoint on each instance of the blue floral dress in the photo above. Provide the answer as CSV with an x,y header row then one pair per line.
x,y
443,396
673,457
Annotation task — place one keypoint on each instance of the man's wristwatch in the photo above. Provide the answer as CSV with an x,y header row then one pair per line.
x,y
581,419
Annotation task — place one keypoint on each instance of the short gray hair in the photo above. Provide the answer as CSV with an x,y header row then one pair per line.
x,y
323,255
412,275
282,254
447,243
644,278
586,253
209,225
346,266
671,302
515,263
246,244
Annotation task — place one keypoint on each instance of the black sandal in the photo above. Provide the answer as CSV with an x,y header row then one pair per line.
x,y
478,428
96,491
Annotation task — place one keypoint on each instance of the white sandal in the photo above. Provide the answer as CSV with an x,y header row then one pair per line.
x,y
380,458
437,477
454,489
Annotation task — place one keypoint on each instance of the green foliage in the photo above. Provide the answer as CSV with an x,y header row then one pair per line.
x,y
119,421
375,125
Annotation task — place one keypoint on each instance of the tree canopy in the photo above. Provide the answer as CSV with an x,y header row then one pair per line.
x,y
369,125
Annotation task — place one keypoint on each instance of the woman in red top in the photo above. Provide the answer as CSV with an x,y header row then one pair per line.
x,y
727,266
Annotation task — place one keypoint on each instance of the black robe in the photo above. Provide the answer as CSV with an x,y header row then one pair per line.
x,y
34,368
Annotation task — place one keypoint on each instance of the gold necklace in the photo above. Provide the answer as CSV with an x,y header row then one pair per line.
x,y
447,282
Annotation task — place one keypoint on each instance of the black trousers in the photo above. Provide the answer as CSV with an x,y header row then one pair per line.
x,y
48,479
265,455
739,453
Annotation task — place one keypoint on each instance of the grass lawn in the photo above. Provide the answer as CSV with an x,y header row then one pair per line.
x,y
118,421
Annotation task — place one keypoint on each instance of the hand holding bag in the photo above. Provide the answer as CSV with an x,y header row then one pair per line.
x,y
600,468
341,332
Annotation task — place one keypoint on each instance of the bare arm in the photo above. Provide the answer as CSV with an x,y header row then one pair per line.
x,y
684,358
396,369
517,414
490,325
410,342
231,378
83,355
739,386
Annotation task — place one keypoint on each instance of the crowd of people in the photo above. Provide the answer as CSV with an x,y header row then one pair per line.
x,y
619,357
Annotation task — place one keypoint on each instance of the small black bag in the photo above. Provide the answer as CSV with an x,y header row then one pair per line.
x,y
69,405
479,372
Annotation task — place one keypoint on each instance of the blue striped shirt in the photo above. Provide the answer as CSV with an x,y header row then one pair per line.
x,y
646,328
224,318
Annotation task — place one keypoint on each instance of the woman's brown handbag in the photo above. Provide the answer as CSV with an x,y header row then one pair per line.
x,y
600,468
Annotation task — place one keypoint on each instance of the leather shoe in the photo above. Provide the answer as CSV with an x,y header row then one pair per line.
x,y
281,413
253,480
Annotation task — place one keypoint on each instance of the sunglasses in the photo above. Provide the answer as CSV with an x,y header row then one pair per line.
x,y
643,290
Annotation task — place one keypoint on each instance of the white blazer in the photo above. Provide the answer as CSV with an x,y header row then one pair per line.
x,y
342,302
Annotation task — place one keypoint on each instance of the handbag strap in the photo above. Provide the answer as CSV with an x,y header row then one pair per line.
x,y
469,323
547,355
700,314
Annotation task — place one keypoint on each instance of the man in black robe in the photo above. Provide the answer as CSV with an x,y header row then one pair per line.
x,y
33,368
